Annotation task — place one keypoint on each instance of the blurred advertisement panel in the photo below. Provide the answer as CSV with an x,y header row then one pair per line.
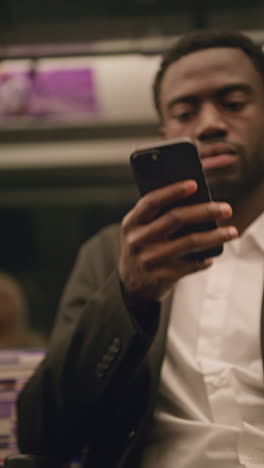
x,y
54,91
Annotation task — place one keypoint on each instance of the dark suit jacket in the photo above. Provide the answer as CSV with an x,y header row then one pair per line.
x,y
97,387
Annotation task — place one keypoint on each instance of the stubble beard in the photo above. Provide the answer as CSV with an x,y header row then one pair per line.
x,y
232,189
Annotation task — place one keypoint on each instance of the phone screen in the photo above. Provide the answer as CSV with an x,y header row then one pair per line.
x,y
161,165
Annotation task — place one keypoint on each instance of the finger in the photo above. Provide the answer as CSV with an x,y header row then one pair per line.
x,y
149,206
185,267
197,242
182,246
170,222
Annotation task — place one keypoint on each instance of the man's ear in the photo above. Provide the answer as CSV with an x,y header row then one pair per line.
x,y
162,131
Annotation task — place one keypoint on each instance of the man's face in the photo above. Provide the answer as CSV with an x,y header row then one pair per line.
x,y
216,98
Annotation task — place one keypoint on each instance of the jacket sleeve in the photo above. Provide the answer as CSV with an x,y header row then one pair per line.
x,y
96,346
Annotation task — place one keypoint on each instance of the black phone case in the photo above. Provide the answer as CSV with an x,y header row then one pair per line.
x,y
161,165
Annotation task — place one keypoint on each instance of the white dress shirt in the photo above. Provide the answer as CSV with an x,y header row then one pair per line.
x,y
210,411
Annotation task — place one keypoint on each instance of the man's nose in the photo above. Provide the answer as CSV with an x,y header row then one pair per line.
x,y
211,123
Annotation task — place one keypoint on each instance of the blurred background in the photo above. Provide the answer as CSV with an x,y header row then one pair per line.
x,y
75,101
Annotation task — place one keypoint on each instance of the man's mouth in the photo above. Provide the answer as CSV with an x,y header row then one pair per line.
x,y
219,155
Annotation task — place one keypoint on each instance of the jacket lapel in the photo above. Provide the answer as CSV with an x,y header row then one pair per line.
x,y
262,330
156,352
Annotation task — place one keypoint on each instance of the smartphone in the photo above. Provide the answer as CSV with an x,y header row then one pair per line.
x,y
172,161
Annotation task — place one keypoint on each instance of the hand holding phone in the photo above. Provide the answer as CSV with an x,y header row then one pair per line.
x,y
158,244
161,165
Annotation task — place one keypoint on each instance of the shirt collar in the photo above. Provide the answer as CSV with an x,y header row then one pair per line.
x,y
255,231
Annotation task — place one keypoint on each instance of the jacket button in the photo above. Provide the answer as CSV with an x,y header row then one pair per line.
x,y
107,359
100,370
116,342
115,346
131,434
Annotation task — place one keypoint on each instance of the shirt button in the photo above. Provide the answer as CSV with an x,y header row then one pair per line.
x,y
256,458
221,381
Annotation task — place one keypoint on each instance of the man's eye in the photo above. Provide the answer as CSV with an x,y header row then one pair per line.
x,y
235,105
184,116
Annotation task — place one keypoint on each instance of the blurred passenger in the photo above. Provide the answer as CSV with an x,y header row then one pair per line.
x,y
14,328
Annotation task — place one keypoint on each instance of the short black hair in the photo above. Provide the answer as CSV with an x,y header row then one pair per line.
x,y
206,39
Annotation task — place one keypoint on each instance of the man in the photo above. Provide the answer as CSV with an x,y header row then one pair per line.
x,y
117,381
